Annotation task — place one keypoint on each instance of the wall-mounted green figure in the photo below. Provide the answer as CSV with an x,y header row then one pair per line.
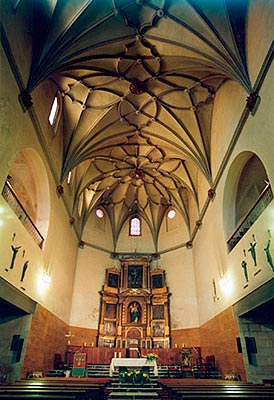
x,y
244,266
268,255
253,251
25,266
14,251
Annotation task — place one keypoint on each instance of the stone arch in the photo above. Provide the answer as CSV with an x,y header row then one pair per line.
x,y
245,181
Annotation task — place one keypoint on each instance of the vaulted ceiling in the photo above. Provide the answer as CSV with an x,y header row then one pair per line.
x,y
137,79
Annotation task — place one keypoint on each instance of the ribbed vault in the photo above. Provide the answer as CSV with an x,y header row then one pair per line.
x,y
137,81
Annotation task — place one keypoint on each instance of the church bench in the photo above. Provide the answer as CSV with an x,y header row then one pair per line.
x,y
28,396
202,382
268,381
224,394
43,387
65,381
223,390
57,385
226,391
42,390
220,390
212,387
227,396
48,393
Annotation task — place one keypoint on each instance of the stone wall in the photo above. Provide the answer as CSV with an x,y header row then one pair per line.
x,y
46,337
83,336
219,338
185,337
260,363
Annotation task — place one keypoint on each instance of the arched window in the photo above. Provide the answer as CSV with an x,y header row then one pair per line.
x,y
135,227
55,113
69,178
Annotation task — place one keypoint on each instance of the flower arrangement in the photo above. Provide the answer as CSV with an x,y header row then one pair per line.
x,y
134,376
151,356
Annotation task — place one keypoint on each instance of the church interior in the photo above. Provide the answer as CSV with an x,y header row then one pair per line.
x,y
136,207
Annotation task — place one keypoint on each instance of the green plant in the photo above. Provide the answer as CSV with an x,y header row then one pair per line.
x,y
135,376
151,356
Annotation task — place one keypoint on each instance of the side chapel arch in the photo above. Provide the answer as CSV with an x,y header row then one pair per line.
x,y
29,180
247,186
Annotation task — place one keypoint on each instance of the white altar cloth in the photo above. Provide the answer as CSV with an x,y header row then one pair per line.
x,y
132,363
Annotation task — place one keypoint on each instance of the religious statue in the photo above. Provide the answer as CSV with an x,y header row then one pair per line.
x,y
24,269
244,266
268,255
253,251
134,312
14,251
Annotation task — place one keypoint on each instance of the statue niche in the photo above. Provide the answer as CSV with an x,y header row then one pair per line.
x,y
134,311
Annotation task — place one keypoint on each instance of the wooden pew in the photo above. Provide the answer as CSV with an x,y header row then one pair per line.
x,y
268,381
53,390
219,391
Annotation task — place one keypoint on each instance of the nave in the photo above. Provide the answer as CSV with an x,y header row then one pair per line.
x,y
105,388
137,205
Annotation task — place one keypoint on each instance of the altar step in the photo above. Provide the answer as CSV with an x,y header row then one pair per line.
x,y
117,390
97,371
102,371
134,395
121,391
117,385
169,371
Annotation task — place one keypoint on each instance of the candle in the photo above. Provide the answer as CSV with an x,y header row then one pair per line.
x,y
120,354
115,354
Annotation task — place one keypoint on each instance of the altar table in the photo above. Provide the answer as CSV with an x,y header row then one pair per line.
x,y
132,363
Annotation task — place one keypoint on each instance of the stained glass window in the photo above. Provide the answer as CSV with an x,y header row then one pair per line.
x,y
135,227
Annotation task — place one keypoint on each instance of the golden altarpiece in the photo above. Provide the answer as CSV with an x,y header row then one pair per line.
x,y
134,309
